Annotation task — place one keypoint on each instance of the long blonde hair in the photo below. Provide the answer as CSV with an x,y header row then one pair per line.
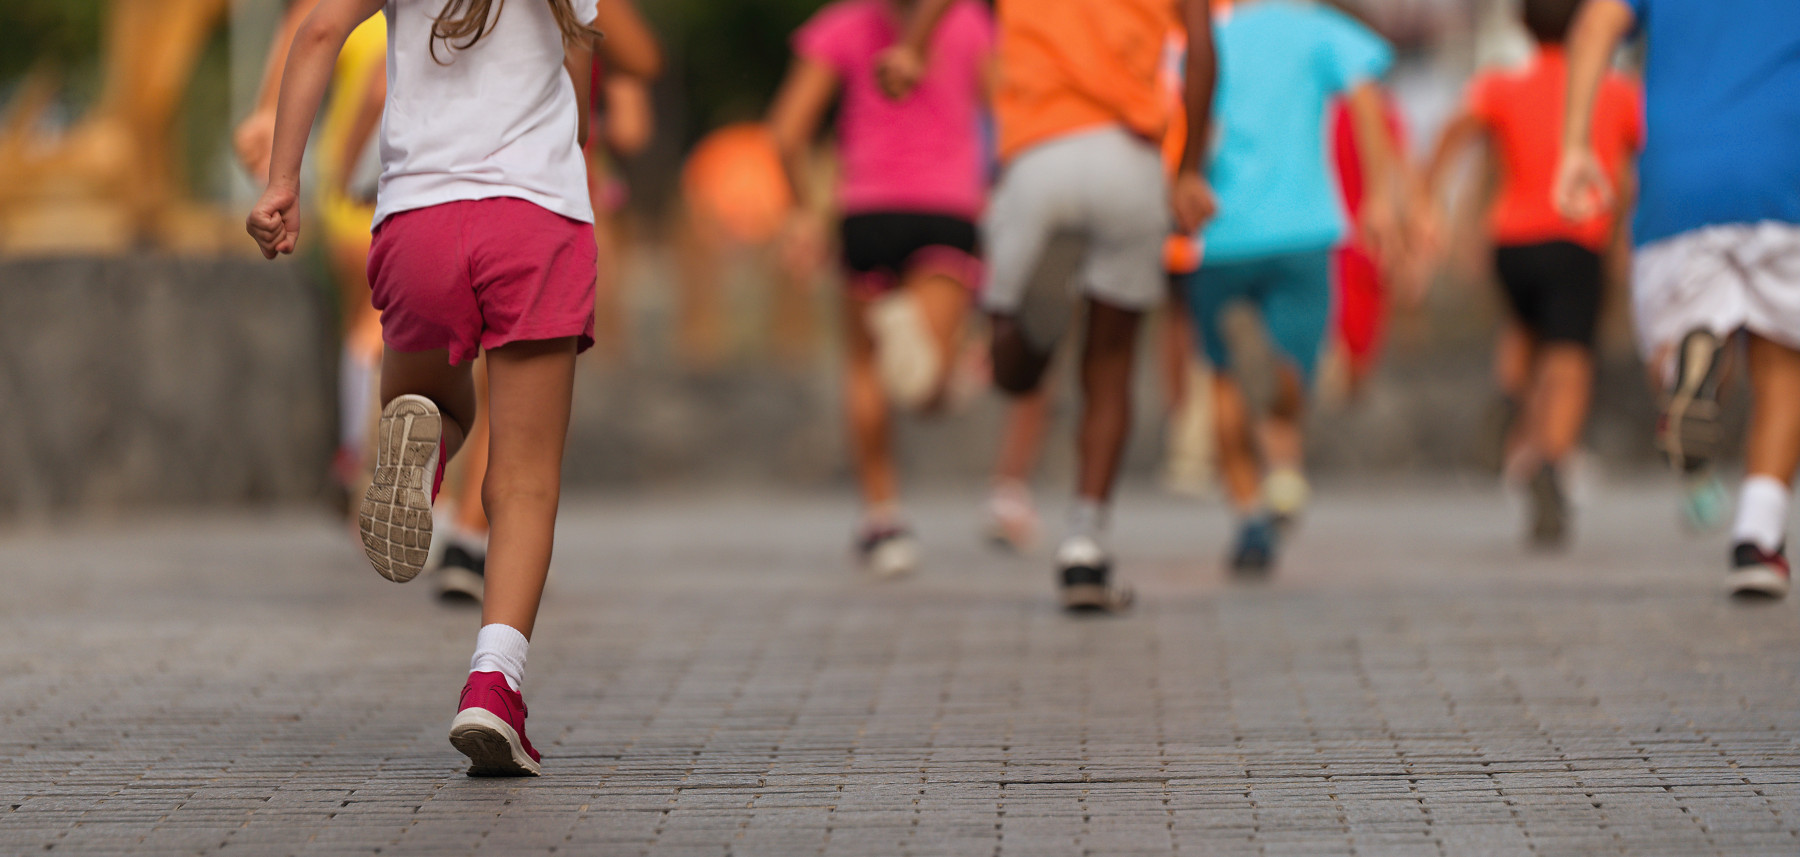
x,y
468,20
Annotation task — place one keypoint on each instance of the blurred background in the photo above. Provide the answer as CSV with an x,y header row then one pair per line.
x,y
149,358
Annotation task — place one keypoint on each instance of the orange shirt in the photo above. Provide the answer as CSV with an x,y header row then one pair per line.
x,y
1068,65
1522,110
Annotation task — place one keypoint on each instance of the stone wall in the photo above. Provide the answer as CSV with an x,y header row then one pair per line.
x,y
146,383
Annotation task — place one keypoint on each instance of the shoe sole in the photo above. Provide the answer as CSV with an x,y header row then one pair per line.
x,y
1095,598
493,748
1756,583
460,584
906,356
395,518
1689,432
893,559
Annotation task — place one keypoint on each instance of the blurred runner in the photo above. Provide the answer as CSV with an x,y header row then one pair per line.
x,y
1080,205
480,245
1360,285
1718,232
460,555
1550,268
1262,297
345,199
910,189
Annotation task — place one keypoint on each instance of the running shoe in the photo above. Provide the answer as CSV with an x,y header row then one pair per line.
x,y
1688,431
1252,355
1254,554
395,518
888,550
1012,521
462,576
1756,573
490,729
906,354
1705,503
1549,508
1285,494
1084,572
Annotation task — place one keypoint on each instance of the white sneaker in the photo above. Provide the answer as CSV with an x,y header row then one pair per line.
x,y
395,518
888,551
906,354
1084,572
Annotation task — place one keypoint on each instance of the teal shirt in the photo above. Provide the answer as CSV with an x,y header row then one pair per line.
x,y
1280,64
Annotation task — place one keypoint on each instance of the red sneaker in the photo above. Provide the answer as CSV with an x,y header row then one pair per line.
x,y
490,729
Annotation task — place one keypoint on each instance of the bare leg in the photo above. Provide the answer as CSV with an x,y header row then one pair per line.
x,y
470,516
1558,407
1773,447
429,374
1239,466
1283,442
1106,362
944,303
866,408
1027,418
532,384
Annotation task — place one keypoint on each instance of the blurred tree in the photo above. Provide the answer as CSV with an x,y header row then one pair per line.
x,y
728,56
63,32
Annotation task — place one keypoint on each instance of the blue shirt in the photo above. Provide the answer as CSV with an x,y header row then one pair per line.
x,y
1722,114
1280,64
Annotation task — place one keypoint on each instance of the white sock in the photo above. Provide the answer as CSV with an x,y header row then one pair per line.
x,y
1088,519
500,648
1762,513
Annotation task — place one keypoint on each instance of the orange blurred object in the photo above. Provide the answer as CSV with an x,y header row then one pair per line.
x,y
1181,254
734,178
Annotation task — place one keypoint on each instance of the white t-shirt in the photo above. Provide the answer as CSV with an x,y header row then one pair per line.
x,y
497,119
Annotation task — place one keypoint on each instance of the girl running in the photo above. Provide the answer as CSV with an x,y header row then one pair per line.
x,y
483,241
910,190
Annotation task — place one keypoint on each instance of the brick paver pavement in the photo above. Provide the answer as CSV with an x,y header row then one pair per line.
x,y
711,679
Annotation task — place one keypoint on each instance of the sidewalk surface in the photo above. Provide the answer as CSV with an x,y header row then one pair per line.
x,y
711,678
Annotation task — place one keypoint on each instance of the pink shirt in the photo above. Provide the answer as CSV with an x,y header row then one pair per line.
x,y
922,153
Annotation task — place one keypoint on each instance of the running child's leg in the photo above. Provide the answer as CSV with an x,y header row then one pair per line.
x,y
429,374
1562,383
460,576
531,384
882,541
1771,455
1106,362
1240,467
1012,516
944,302
427,403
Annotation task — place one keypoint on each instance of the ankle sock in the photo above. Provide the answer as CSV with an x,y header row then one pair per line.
x,y
1088,519
500,648
1762,512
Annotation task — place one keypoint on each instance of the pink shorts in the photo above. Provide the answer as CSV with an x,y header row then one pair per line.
x,y
475,274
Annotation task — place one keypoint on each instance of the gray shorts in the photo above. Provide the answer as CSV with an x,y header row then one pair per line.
x,y
1099,199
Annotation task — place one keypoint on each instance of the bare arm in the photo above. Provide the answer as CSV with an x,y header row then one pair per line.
x,y
628,44
252,136
1581,183
900,67
1190,197
1458,135
275,221
1385,174
793,120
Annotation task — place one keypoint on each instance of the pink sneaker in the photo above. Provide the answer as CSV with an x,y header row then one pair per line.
x,y
490,729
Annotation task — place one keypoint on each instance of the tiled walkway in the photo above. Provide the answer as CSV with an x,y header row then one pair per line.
x,y
711,678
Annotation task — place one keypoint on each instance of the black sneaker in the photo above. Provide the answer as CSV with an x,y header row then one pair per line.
x,y
1756,573
1254,554
1083,573
462,578
888,550
1549,509
1688,431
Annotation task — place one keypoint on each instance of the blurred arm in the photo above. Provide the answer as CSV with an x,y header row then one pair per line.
x,y
1202,78
1581,184
1461,132
794,119
278,51
1385,174
252,136
630,123
899,68
628,44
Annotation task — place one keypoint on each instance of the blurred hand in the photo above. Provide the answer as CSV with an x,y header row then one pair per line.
x,y
803,244
1582,189
898,70
253,140
275,221
1192,201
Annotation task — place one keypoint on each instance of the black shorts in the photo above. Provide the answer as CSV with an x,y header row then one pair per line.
x,y
1553,288
881,248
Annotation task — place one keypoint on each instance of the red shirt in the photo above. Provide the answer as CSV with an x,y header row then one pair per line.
x,y
1522,110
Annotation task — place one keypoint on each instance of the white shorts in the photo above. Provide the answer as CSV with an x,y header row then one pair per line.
x,y
1105,190
1719,278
